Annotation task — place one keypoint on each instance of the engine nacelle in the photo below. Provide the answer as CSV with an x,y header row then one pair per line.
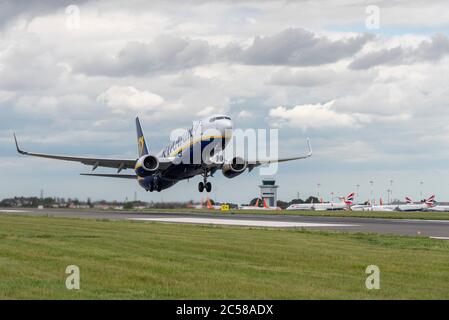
x,y
147,165
236,167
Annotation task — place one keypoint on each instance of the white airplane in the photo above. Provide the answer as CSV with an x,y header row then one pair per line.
x,y
370,207
301,206
199,151
411,206
384,207
436,207
249,207
360,207
324,206
363,207
267,207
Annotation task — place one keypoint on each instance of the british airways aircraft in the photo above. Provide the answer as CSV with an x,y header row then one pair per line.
x,y
198,151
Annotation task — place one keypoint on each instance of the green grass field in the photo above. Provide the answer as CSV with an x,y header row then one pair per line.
x,y
135,260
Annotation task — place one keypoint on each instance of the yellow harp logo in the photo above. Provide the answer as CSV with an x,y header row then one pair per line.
x,y
141,144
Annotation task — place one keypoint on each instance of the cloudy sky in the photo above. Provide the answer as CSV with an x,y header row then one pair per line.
x,y
371,91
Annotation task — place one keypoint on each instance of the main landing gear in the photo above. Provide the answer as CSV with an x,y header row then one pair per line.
x,y
204,184
155,185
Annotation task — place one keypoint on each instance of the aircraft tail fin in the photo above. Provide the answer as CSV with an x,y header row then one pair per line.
x,y
408,200
431,200
141,144
349,199
209,204
265,203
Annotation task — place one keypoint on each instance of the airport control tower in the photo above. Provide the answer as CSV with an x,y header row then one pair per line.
x,y
268,191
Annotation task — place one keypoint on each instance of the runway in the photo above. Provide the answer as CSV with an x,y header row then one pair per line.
x,y
244,222
438,229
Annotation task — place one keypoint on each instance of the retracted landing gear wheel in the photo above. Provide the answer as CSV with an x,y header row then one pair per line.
x,y
201,187
208,186
156,184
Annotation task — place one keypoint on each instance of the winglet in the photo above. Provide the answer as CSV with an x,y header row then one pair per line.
x,y
17,145
309,148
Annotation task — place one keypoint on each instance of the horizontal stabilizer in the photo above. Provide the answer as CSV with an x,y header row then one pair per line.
x,y
123,176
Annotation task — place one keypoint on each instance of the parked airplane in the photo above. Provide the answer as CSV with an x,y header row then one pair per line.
x,y
177,161
372,207
267,207
411,206
360,207
301,206
204,205
436,207
256,206
323,206
344,203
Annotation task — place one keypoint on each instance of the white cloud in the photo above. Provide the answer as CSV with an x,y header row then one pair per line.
x,y
303,77
69,107
27,64
244,114
35,105
6,95
314,116
301,47
123,99
206,111
429,50
360,151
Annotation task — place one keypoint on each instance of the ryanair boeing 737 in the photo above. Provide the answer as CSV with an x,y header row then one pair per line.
x,y
179,160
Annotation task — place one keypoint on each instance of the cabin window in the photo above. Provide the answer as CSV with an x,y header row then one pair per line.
x,y
219,118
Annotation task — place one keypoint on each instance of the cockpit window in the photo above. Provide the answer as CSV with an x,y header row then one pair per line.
x,y
219,118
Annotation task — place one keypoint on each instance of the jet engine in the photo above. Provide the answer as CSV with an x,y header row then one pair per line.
x,y
147,165
234,168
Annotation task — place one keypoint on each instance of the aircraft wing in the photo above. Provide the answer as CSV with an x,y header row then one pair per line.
x,y
259,162
119,164
106,175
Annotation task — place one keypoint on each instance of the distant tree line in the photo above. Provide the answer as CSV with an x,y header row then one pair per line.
x,y
49,202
